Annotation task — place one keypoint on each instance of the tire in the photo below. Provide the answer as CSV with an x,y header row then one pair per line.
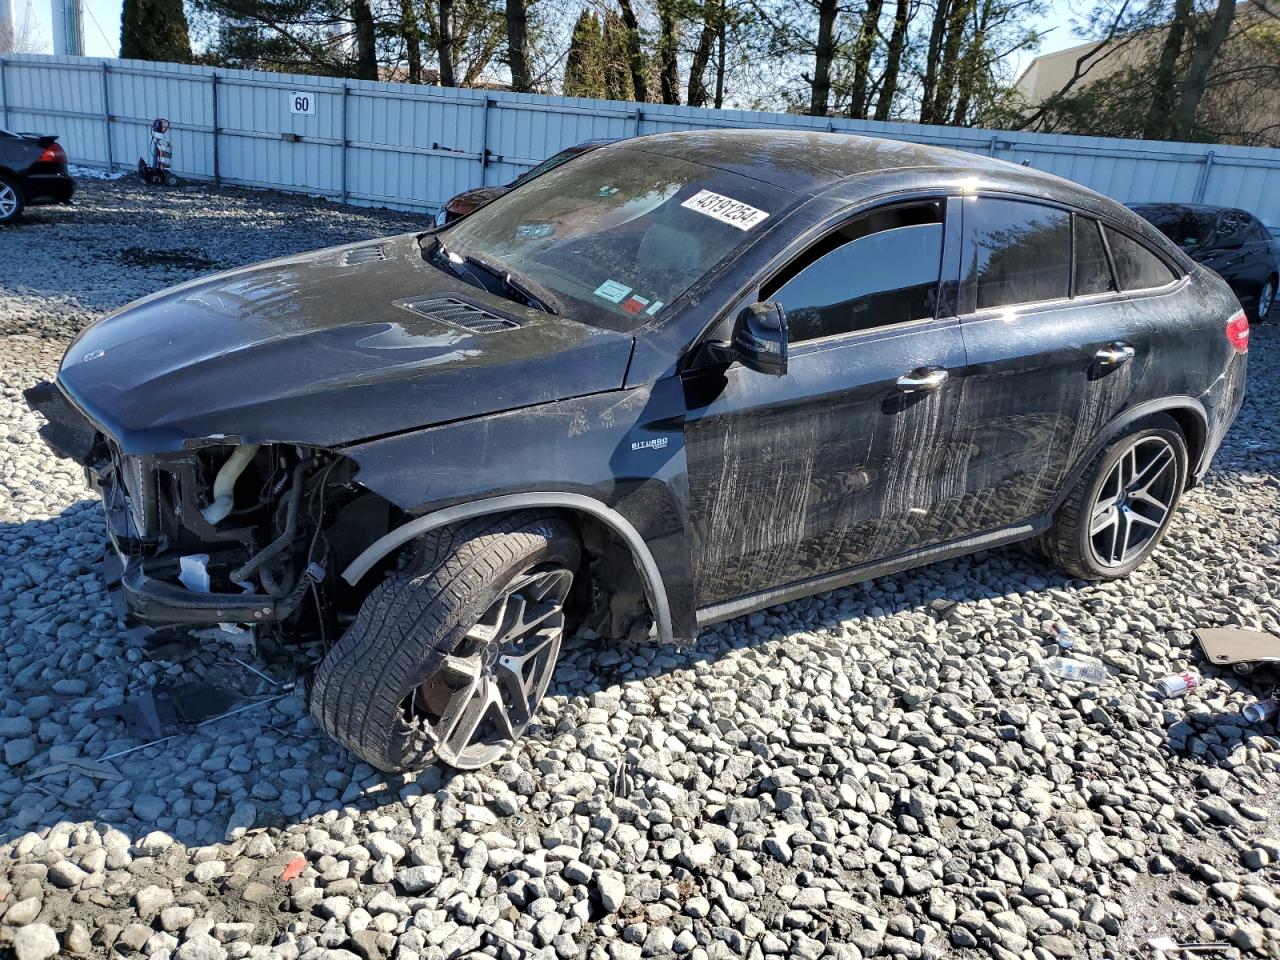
x,y
1266,301
426,655
12,201
1100,556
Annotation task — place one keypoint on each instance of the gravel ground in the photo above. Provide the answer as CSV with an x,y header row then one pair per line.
x,y
850,776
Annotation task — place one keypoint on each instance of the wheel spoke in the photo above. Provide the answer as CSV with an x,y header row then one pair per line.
x,y
1153,471
469,669
1123,530
1144,497
476,706
1133,516
1102,520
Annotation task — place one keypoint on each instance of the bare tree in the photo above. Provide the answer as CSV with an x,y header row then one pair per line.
x,y
1203,55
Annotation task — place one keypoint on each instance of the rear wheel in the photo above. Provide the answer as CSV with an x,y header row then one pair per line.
x,y
1121,508
452,656
12,202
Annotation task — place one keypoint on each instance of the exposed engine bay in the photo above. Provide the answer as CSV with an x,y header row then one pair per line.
x,y
224,532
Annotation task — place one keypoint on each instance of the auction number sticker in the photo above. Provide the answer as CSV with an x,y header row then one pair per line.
x,y
725,209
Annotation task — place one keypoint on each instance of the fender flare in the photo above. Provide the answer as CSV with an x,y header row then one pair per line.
x,y
1126,418
654,589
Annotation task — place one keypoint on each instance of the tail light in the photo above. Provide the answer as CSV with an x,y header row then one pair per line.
x,y
1238,332
53,154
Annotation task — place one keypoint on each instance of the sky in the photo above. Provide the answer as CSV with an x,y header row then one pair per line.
x,y
102,28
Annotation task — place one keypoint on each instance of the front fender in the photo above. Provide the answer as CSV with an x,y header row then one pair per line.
x,y
617,456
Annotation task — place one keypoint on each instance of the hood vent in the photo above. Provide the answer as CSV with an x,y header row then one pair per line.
x,y
457,313
360,255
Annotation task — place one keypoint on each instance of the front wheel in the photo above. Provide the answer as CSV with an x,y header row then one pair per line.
x,y
451,656
1119,511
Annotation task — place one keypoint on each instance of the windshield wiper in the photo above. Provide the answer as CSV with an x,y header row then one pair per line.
x,y
521,288
461,267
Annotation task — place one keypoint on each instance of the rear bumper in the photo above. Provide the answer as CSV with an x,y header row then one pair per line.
x,y
1222,403
48,188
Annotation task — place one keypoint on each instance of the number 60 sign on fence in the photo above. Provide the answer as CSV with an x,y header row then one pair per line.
x,y
304,103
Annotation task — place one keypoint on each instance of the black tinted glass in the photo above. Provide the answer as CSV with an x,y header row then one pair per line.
x,y
853,282
1137,268
1021,252
1184,226
1093,274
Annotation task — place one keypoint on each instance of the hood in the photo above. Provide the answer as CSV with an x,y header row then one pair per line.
x,y
325,349
470,200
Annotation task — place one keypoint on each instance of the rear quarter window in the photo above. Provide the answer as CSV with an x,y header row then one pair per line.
x,y
1137,268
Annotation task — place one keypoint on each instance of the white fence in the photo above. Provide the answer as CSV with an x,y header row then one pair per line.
x,y
414,147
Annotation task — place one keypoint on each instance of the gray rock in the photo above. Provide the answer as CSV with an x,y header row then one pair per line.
x,y
35,942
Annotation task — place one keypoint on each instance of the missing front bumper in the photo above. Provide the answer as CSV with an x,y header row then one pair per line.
x,y
142,599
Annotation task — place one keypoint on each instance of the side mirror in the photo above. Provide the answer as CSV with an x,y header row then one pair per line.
x,y
760,338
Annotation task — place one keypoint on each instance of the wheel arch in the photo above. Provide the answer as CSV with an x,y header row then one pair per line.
x,y
577,504
1186,411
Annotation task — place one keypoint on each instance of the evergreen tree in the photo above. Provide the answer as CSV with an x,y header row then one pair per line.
x,y
584,65
617,58
154,30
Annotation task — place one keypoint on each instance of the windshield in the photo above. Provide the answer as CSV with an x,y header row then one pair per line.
x,y
547,165
617,235
1186,228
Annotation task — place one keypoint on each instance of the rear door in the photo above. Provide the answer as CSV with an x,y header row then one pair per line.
x,y
1054,351
1235,254
841,461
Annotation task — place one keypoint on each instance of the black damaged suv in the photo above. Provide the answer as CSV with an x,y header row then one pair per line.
x,y
675,380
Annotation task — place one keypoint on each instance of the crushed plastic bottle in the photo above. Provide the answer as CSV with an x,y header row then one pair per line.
x,y
1068,669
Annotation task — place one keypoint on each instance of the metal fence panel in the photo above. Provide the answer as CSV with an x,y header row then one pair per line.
x,y
413,147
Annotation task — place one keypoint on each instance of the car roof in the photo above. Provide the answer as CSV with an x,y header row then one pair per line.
x,y
810,162
851,168
1165,205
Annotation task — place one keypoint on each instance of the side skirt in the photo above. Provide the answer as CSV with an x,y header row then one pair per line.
x,y
869,571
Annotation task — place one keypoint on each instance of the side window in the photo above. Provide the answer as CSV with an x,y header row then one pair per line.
x,y
1018,252
1093,272
879,270
1233,227
1137,268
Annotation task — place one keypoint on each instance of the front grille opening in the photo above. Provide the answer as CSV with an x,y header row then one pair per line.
x,y
359,255
458,313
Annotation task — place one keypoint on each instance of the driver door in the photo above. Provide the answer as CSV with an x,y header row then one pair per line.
x,y
841,461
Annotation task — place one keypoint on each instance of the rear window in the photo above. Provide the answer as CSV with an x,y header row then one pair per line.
x,y
1137,268
1017,252
1186,227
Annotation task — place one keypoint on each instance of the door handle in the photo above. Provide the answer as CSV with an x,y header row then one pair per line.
x,y
922,380
1114,354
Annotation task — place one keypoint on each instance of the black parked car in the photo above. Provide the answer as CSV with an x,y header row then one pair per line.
x,y
679,379
33,169
1233,243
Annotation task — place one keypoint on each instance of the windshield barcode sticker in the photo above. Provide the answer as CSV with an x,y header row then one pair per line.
x,y
725,209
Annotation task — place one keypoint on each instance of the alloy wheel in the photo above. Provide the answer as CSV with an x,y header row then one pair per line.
x,y
480,700
1266,297
8,201
1133,502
